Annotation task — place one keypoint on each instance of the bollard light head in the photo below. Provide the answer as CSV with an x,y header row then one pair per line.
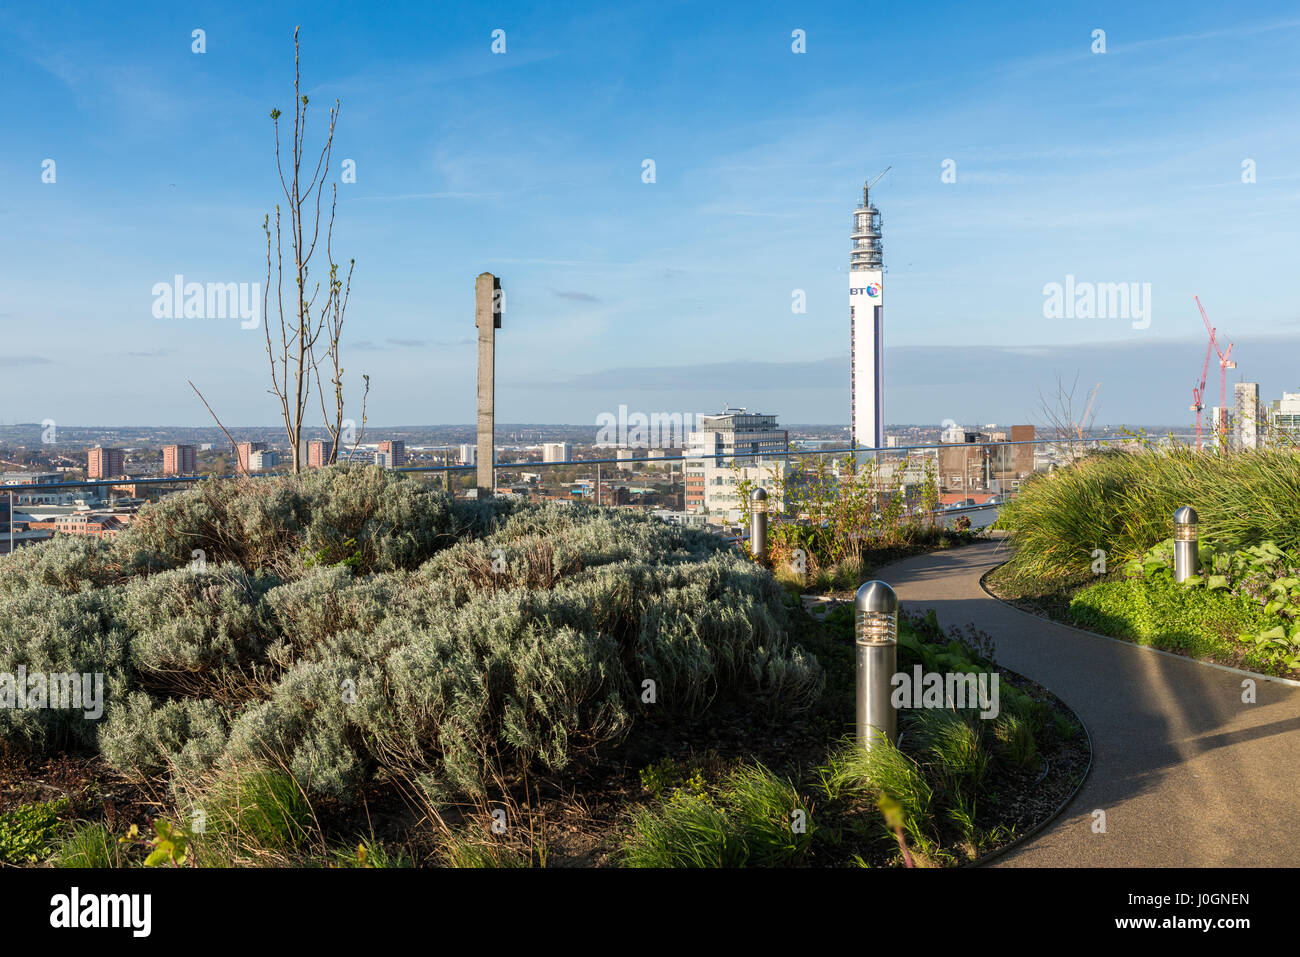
x,y
758,500
876,605
1185,520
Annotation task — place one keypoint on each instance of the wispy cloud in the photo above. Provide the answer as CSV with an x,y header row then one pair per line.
x,y
366,345
447,194
564,262
576,296
712,209
1117,45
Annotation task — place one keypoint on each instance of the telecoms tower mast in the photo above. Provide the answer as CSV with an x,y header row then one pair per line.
x,y
867,325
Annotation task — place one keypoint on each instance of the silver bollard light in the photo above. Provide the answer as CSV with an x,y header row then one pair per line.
x,y
758,523
1186,559
876,635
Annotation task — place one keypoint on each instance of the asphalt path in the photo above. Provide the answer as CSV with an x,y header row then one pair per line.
x,y
1186,773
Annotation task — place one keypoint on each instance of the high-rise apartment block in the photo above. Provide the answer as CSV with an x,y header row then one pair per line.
x,y
319,452
180,460
104,463
1220,434
246,449
468,455
395,450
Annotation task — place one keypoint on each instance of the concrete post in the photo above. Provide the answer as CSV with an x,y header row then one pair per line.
x,y
1186,558
876,633
487,317
758,524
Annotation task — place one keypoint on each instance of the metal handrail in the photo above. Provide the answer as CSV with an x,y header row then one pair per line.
x,y
529,466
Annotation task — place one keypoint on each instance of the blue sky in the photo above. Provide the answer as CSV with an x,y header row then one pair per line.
x,y
1123,166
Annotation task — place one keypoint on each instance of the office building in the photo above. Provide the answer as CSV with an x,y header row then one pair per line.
x,y
92,524
737,432
967,462
557,452
468,455
711,488
1284,417
263,460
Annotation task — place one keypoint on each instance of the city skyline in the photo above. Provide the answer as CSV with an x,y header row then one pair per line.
x,y
1021,158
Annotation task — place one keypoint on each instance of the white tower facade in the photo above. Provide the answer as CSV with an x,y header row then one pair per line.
x,y
867,328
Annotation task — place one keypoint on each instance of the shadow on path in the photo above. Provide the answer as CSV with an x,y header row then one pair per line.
x,y
1186,773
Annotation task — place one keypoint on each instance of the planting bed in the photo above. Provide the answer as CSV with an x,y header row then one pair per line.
x,y
351,669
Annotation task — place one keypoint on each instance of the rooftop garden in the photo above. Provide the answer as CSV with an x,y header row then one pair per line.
x,y
1094,546
350,668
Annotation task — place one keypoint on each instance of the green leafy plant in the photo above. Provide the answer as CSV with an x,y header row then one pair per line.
x,y
29,831
1263,577
169,845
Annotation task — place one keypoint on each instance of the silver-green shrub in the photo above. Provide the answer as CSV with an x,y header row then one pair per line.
x,y
144,736
197,631
354,626
65,563
325,601
43,630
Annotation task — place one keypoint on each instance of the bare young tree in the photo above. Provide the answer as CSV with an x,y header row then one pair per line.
x,y
292,349
333,331
1062,420
293,354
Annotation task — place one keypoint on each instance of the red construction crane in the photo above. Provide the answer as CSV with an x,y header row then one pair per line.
x,y
1225,364
1198,392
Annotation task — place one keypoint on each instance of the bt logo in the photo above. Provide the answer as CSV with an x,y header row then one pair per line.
x,y
873,289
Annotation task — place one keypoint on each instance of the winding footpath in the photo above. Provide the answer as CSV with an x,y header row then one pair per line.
x,y
1187,774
